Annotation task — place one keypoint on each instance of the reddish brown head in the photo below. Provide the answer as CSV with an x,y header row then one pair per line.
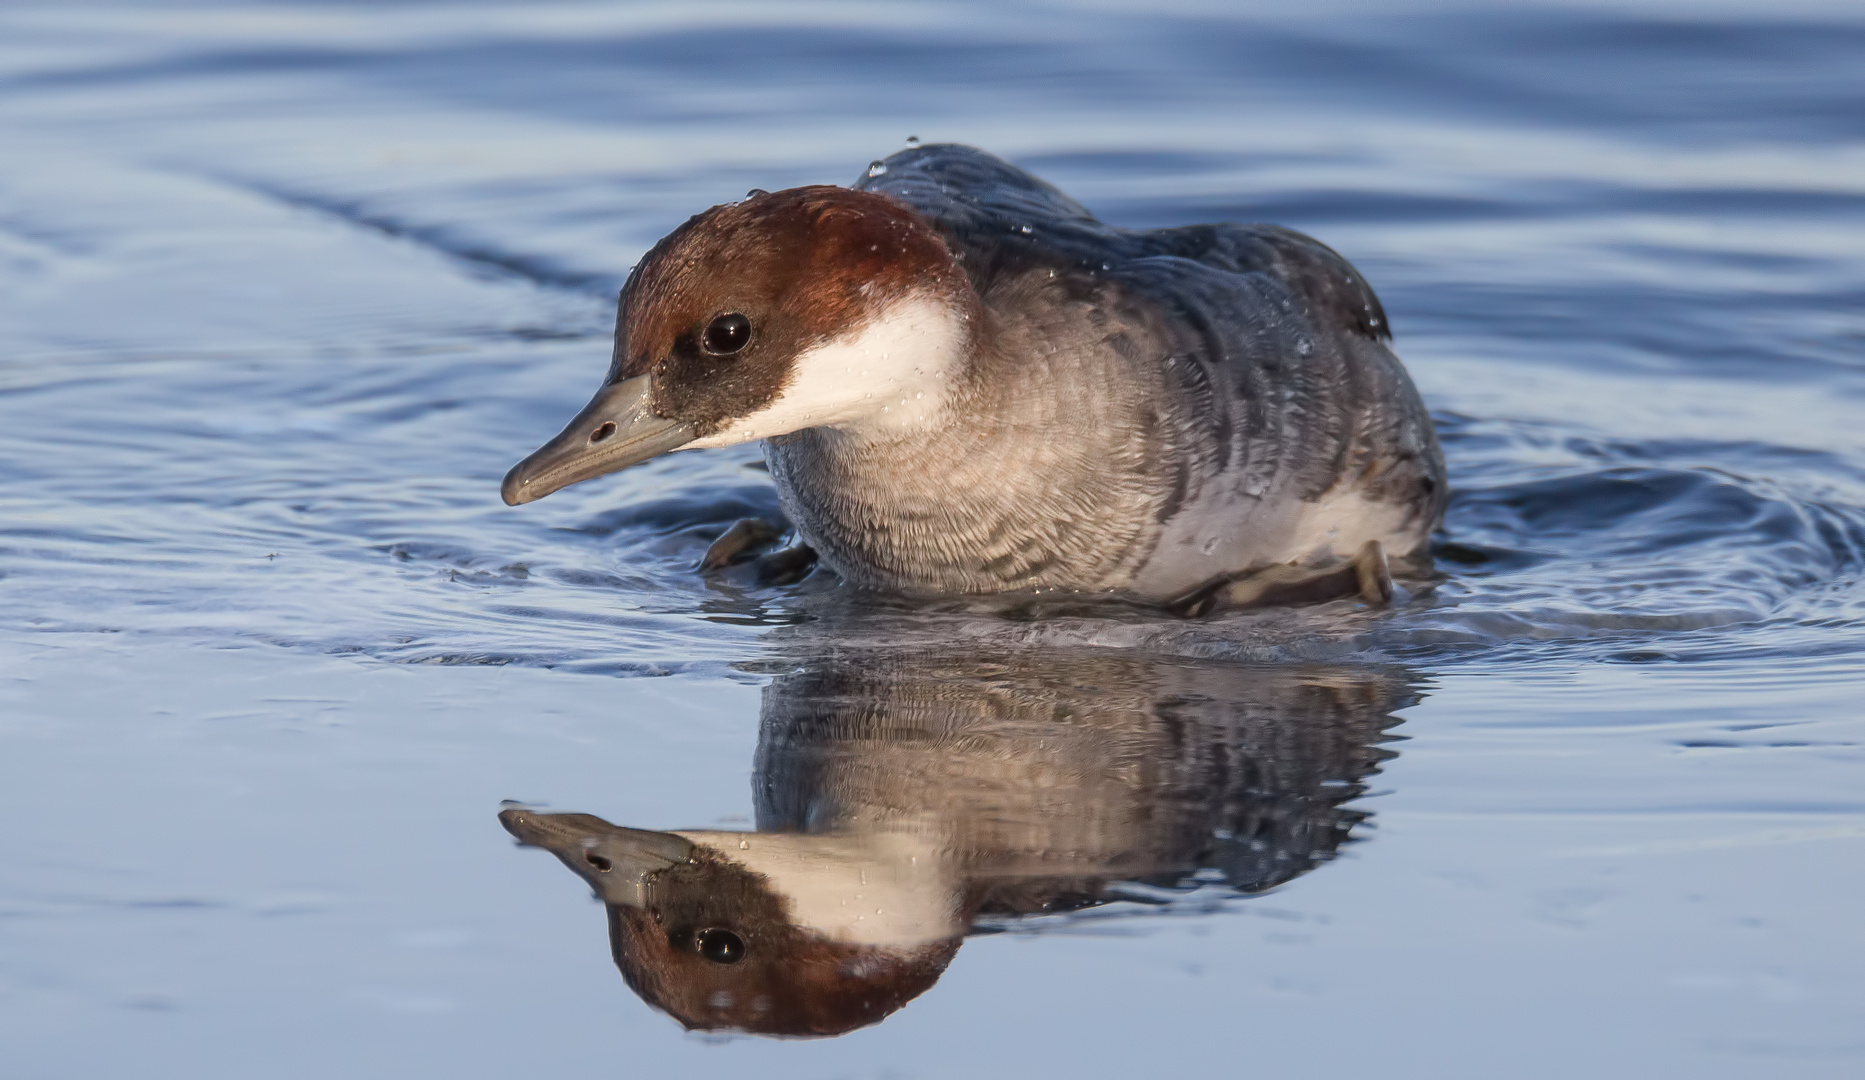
x,y
770,976
719,945
802,267
816,306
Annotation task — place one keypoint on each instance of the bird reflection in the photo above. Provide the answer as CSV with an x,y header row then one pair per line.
x,y
905,801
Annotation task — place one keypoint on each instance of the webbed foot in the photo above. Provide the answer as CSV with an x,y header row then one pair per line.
x,y
786,566
1366,575
742,541
750,540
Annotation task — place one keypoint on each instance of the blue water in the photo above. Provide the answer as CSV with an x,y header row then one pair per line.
x,y
285,288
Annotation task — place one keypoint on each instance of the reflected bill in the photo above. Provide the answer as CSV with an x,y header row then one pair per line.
x,y
906,801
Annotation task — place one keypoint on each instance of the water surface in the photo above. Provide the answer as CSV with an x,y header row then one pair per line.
x,y
287,287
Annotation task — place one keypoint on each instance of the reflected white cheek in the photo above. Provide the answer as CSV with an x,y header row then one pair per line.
x,y
892,373
884,889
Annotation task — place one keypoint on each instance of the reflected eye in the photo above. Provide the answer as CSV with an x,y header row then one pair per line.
x,y
726,334
720,946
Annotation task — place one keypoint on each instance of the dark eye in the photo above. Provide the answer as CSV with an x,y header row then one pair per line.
x,y
726,334
720,946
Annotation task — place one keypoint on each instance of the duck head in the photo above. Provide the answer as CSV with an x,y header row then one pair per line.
x,y
770,934
812,307
906,797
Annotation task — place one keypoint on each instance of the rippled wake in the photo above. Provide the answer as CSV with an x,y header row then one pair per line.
x,y
267,393
285,288
359,514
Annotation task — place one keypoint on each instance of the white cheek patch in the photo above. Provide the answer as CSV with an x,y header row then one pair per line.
x,y
884,889
891,373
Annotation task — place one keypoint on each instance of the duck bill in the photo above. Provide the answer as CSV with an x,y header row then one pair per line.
x,y
617,862
616,429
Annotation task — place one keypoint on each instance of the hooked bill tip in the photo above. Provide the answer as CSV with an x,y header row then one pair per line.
x,y
513,489
521,483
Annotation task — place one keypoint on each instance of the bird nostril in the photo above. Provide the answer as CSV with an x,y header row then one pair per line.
x,y
599,862
607,429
